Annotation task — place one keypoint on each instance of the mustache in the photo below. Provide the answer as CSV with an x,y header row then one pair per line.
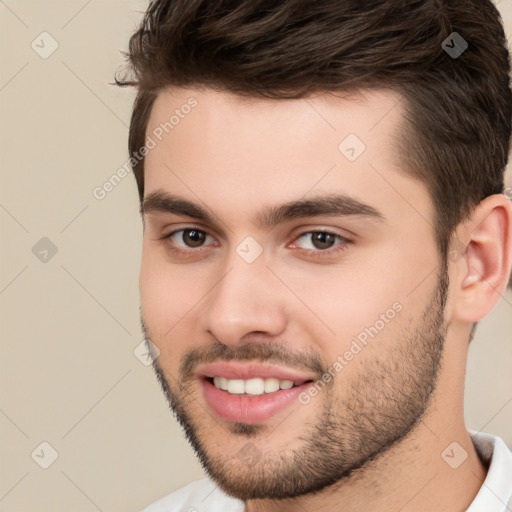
x,y
265,352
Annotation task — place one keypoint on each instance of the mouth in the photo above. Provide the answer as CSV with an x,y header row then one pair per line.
x,y
251,393
253,387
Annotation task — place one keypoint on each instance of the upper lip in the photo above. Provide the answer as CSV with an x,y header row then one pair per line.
x,y
251,370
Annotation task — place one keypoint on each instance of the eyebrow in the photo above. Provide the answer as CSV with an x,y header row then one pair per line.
x,y
330,205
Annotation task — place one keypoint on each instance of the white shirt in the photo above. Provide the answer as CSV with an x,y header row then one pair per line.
x,y
494,495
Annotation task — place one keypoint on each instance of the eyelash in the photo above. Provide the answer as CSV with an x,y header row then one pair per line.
x,y
342,246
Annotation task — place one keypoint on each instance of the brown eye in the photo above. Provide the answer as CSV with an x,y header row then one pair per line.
x,y
320,240
193,237
189,238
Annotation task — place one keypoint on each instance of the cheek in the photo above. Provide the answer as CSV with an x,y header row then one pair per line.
x,y
344,297
165,295
367,297
171,301
153,285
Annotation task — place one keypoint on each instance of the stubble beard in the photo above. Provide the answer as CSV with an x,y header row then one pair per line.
x,y
379,407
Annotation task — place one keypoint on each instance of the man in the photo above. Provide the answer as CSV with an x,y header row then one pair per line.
x,y
321,187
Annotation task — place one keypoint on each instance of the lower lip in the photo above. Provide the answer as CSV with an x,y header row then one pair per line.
x,y
249,409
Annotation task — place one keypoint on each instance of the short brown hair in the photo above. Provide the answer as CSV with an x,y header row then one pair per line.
x,y
458,108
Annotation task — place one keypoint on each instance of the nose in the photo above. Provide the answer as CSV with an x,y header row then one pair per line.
x,y
245,301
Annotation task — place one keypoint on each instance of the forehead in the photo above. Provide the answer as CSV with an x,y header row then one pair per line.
x,y
237,152
268,123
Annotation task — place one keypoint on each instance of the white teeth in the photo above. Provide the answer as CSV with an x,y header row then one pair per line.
x,y
271,385
256,386
285,384
236,386
221,383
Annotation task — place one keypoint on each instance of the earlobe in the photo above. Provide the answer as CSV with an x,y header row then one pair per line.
x,y
484,267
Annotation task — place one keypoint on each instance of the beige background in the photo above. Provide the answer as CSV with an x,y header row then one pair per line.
x,y
68,373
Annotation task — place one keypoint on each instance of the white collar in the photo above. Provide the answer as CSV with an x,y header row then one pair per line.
x,y
496,491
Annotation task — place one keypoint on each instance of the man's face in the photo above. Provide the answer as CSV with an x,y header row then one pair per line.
x,y
284,246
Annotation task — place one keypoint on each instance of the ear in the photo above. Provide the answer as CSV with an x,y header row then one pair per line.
x,y
482,247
